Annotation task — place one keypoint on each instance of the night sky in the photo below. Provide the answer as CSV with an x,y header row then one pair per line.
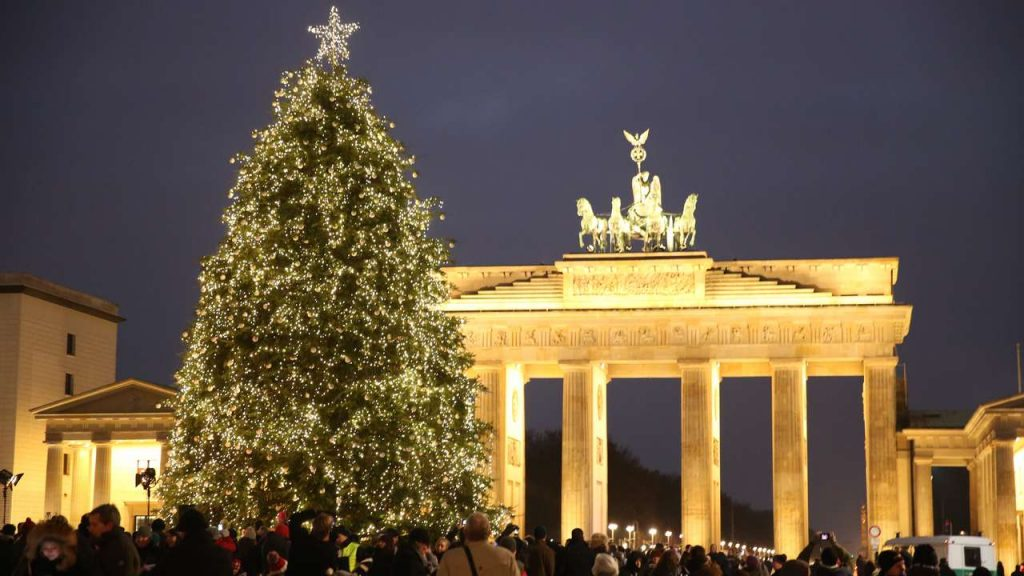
x,y
810,130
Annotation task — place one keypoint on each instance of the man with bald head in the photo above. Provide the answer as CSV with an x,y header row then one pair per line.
x,y
477,557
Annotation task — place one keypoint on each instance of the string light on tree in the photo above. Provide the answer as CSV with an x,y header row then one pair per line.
x,y
319,369
334,38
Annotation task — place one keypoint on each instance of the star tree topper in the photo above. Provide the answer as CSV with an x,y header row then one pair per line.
x,y
334,38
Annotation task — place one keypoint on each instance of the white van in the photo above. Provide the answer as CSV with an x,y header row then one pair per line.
x,y
964,553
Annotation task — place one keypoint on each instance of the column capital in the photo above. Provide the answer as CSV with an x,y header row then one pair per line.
x,y
923,460
788,363
881,362
101,437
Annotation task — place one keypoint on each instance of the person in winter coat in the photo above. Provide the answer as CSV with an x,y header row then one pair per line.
x,y
577,557
411,557
149,553
488,560
195,554
8,559
248,551
275,540
50,550
384,553
312,552
925,562
700,565
347,547
115,551
541,561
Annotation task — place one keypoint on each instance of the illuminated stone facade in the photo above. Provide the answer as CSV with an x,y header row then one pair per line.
x,y
593,317
97,441
989,443
54,342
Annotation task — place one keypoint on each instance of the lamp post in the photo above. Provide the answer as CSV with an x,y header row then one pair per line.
x,y
668,537
629,535
613,527
9,480
653,532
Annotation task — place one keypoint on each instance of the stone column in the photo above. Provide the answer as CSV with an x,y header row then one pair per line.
x,y
1004,503
789,455
165,452
972,489
102,473
904,483
880,444
584,448
54,479
500,404
81,481
701,467
924,521
515,442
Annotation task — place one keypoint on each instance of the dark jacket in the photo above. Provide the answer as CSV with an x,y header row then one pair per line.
x,y
383,559
43,567
116,554
249,553
8,559
541,561
577,559
309,556
408,561
195,555
150,555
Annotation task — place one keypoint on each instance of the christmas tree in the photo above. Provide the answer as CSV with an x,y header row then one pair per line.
x,y
319,371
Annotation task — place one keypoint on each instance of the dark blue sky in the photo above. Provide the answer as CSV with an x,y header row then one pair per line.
x,y
817,129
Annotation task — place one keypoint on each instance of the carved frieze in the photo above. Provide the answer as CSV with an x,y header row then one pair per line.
x,y
684,334
633,284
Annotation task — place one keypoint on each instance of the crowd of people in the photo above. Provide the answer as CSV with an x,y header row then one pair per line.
x,y
311,543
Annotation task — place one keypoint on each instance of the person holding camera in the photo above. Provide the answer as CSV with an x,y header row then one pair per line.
x,y
832,559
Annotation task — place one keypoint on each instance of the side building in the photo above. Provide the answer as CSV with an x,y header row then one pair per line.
x,y
55,342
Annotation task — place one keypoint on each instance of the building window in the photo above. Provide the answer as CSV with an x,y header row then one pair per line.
x,y
67,465
71,345
69,384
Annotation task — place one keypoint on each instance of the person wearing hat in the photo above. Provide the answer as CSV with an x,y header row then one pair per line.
x,y
195,554
411,558
149,552
348,546
890,563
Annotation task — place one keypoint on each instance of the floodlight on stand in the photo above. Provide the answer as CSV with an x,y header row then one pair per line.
x,y
8,480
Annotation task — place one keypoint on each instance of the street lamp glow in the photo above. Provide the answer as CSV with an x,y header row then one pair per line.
x,y
668,537
613,526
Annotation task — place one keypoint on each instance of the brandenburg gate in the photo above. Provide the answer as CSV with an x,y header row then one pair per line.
x,y
589,318
672,313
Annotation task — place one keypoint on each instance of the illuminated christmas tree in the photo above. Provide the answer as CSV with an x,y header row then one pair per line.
x,y
319,370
